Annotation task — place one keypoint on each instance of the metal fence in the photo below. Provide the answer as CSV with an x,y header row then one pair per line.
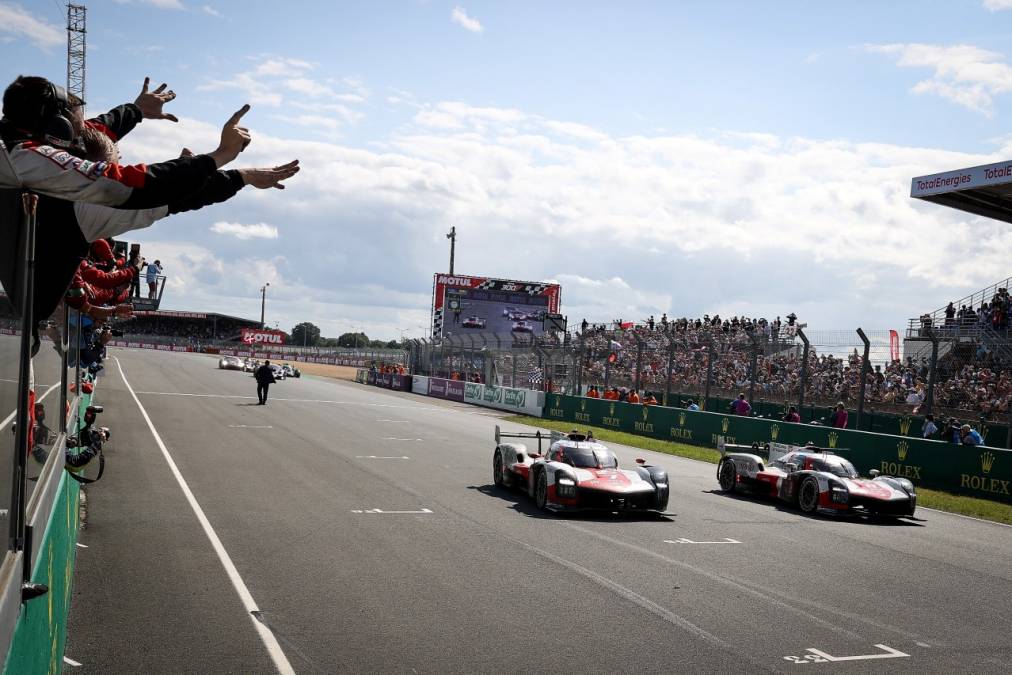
x,y
942,373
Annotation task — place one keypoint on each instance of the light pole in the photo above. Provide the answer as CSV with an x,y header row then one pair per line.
x,y
263,303
452,236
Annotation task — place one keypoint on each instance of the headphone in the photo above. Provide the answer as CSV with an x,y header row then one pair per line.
x,y
55,126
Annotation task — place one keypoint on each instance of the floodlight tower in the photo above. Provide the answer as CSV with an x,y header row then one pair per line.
x,y
76,33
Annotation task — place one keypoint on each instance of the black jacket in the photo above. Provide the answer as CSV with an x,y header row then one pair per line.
x,y
264,375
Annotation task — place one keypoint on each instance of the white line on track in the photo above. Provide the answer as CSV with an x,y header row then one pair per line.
x,y
266,636
960,515
375,457
71,662
391,438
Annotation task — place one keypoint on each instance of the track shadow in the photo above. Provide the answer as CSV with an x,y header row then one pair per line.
x,y
523,504
243,405
863,518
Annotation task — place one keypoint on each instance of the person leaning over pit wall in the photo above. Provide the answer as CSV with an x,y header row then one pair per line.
x,y
42,152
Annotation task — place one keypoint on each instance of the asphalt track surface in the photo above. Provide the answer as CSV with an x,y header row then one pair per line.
x,y
479,581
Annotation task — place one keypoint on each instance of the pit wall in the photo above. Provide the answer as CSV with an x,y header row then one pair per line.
x,y
975,471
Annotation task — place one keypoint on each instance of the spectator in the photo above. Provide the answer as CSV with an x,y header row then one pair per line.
x,y
692,405
154,269
740,406
593,393
792,415
838,420
930,428
649,399
633,397
970,436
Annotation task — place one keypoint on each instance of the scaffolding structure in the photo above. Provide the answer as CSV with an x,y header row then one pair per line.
x,y
76,49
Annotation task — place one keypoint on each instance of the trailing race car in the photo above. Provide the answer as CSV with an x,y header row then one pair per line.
x,y
473,322
230,363
279,371
249,365
815,479
577,473
291,371
522,327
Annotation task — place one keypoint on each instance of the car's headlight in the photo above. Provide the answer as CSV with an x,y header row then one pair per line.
x,y
661,486
839,494
565,487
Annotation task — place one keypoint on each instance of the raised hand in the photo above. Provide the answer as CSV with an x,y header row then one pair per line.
x,y
270,178
234,138
151,102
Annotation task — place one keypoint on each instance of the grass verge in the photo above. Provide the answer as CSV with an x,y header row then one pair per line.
x,y
932,499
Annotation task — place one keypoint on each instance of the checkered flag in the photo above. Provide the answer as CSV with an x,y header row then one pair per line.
x,y
536,289
537,376
487,285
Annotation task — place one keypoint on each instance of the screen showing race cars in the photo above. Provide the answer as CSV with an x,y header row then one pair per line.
x,y
463,305
467,310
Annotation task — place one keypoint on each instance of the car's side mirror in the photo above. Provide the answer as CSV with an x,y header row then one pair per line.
x,y
874,473
533,455
640,460
791,467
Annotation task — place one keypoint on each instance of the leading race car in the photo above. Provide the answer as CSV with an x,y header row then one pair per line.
x,y
230,363
814,479
577,473
474,322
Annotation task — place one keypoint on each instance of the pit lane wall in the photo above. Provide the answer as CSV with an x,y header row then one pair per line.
x,y
520,401
975,471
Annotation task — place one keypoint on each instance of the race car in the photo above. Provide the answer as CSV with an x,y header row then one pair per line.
x,y
230,363
279,371
473,322
249,365
291,371
522,327
815,479
513,314
577,473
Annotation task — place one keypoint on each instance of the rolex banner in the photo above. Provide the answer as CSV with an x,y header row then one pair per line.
x,y
524,401
981,472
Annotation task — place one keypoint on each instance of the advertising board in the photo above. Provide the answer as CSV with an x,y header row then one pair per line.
x,y
465,304
525,401
452,390
262,336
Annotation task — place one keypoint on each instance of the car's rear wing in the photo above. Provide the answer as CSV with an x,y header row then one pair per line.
x,y
772,451
520,434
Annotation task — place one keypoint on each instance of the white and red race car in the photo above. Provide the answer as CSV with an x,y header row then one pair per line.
x,y
577,473
473,322
815,479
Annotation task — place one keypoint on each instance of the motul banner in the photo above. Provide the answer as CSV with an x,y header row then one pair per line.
x,y
262,336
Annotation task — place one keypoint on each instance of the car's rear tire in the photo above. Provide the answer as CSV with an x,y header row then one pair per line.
x,y
541,490
808,495
727,475
497,477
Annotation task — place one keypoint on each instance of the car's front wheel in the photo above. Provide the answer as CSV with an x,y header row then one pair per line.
x,y
541,491
727,476
497,477
808,495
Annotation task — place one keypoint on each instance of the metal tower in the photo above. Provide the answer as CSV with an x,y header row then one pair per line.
x,y
76,34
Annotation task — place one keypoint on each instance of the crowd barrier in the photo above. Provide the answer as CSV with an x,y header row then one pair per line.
x,y
520,401
981,471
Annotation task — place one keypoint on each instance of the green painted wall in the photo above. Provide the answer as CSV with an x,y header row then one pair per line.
x,y
41,631
980,472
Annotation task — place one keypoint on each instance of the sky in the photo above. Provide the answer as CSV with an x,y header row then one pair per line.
x,y
749,158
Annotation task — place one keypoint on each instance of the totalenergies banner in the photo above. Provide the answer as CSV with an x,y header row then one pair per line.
x,y
262,336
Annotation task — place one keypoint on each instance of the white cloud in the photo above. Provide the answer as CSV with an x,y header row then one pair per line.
x,y
997,5
208,9
734,222
240,231
964,74
17,21
460,17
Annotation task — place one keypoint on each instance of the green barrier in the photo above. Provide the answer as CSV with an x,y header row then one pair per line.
x,y
41,631
980,472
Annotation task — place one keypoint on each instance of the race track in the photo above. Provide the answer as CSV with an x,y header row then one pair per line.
x,y
456,576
